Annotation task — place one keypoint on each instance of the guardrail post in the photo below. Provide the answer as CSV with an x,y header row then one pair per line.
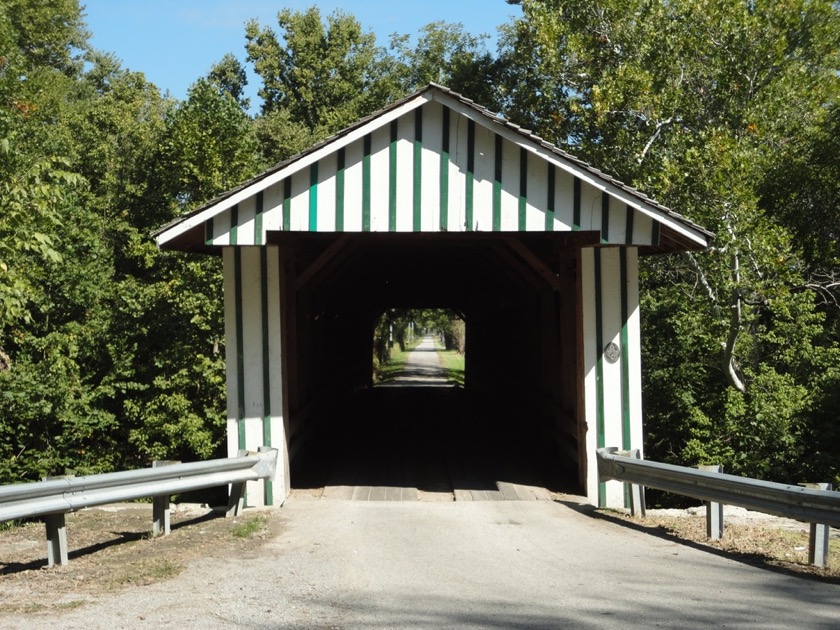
x,y
637,492
56,539
237,495
714,511
160,505
818,539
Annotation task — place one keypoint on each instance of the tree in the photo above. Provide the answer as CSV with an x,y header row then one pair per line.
x,y
446,55
323,76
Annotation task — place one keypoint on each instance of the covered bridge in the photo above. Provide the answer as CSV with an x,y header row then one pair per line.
x,y
436,202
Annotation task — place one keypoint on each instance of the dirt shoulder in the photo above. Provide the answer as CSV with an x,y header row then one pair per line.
x,y
755,538
111,548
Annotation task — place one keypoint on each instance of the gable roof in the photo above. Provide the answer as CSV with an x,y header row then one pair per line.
x,y
433,162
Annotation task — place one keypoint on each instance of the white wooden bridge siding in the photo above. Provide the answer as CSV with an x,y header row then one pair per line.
x,y
256,413
612,390
432,169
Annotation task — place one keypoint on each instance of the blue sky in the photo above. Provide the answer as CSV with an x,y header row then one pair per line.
x,y
174,42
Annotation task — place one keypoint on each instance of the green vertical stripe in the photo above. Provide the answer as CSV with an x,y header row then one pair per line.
x,y
392,179
287,203
576,206
208,231
339,192
313,197
497,184
550,198
234,225
418,169
468,201
654,234
605,217
599,369
631,214
266,365
258,220
444,173
366,184
240,349
523,187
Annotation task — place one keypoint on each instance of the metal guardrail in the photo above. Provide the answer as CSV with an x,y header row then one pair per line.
x,y
55,498
796,502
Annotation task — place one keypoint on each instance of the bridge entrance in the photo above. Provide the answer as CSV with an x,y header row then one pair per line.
x,y
434,201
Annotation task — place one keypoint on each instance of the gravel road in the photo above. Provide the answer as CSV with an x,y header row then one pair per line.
x,y
493,564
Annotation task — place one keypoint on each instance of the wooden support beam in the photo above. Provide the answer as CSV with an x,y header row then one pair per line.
x,y
329,255
535,262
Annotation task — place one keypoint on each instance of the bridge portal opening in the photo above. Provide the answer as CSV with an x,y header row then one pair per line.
x,y
419,347
513,421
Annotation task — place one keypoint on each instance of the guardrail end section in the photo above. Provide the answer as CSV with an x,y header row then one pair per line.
x,y
267,466
606,464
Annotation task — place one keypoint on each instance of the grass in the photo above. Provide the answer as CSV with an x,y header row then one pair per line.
x,y
143,572
250,527
453,362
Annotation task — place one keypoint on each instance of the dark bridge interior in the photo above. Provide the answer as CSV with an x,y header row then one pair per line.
x,y
517,420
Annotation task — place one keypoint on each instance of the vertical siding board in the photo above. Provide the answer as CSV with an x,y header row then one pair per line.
x,y
240,348
511,187
417,180
590,372
564,201
273,209
208,231
405,174
313,197
327,169
339,190
628,224
613,399
287,204
469,193
634,355
380,180
576,205
551,196
258,219
230,278
431,157
393,165
458,185
266,364
276,376
498,156
366,150
299,205
522,202
536,206
599,365
590,207
484,171
605,217
245,218
233,230
445,164
353,176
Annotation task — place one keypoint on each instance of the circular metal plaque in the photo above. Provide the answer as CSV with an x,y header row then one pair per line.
x,y
612,352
